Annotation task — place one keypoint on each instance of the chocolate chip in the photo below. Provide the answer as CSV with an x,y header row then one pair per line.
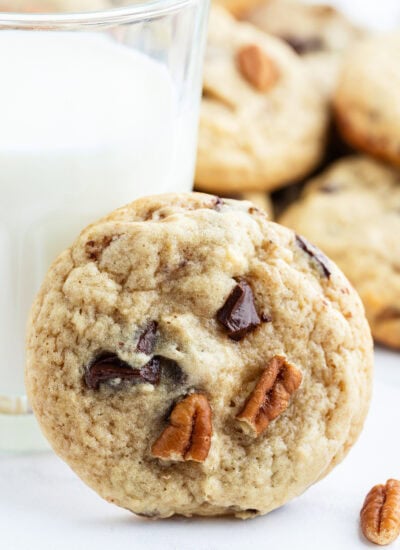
x,y
304,45
316,254
238,314
151,371
147,339
171,370
108,367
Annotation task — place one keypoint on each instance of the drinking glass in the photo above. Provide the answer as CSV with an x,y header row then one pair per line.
x,y
97,107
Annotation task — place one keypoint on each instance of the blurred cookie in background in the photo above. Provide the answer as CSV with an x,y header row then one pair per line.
x,y
258,198
352,212
262,124
238,7
285,197
261,200
367,101
319,33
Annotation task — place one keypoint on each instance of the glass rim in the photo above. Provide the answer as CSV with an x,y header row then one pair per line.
x,y
107,17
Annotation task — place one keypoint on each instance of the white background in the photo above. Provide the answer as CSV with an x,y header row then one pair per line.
x,y
44,506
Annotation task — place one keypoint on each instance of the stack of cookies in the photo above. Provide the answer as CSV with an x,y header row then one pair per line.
x,y
295,92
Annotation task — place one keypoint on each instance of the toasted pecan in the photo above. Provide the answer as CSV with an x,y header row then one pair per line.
x,y
380,514
271,396
257,67
188,436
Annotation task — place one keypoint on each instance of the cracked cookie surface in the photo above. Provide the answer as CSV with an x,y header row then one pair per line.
x,y
262,122
211,291
352,212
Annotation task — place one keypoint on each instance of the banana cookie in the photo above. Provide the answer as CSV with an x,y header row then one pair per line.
x,y
352,212
262,123
367,99
319,33
187,356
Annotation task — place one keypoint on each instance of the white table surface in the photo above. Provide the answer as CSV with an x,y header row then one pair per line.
x,y
43,505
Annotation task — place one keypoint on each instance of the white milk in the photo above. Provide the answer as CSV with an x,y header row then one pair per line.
x,y
86,125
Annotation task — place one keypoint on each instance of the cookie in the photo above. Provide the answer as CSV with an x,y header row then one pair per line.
x,y
237,7
262,122
352,211
188,356
320,34
367,97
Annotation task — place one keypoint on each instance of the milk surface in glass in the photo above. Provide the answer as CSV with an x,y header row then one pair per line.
x,y
87,125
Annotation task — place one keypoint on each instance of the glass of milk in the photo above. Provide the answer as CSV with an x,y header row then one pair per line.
x,y
98,105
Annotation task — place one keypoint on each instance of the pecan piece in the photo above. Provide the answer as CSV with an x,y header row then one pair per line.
x,y
238,314
188,436
257,67
271,396
380,514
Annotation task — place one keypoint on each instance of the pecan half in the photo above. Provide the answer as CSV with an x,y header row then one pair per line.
x,y
257,67
380,514
188,436
271,396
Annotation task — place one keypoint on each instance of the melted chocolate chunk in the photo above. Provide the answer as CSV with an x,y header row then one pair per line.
x,y
148,338
304,45
316,254
108,367
238,315
171,370
151,371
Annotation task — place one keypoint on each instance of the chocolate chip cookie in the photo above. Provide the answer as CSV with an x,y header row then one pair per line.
x,y
352,212
367,98
188,356
319,33
262,122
